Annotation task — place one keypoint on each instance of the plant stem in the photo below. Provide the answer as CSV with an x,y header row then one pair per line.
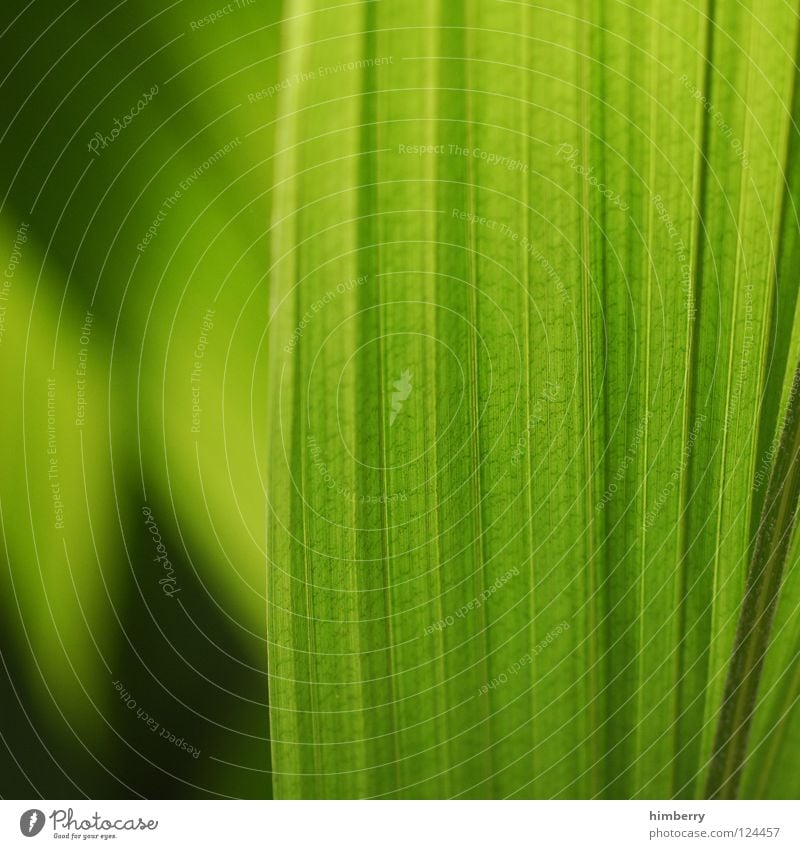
x,y
774,534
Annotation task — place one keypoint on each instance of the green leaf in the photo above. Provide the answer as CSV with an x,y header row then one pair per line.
x,y
511,469
758,609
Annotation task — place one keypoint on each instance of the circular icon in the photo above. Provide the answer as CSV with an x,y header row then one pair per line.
x,y
31,822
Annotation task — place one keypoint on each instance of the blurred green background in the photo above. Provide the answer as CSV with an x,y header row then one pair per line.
x,y
133,376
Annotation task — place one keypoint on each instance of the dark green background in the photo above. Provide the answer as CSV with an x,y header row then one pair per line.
x,y
83,608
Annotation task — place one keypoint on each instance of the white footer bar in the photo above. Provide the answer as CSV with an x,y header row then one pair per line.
x,y
401,825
